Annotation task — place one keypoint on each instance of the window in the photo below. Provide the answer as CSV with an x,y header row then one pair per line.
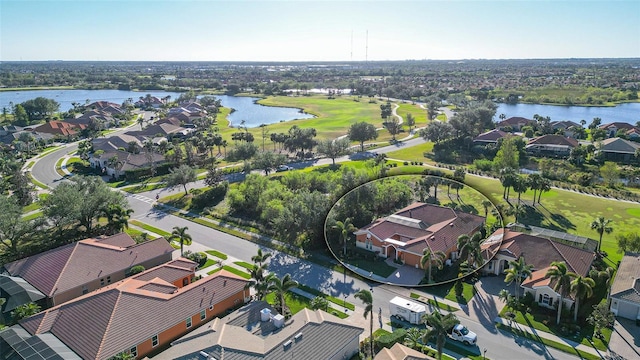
x,y
189,322
545,299
109,279
102,282
154,341
185,281
203,314
134,352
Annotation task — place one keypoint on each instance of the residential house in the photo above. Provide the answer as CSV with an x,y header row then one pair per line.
x,y
551,145
490,137
633,134
514,123
625,290
612,128
107,107
257,332
116,163
567,127
94,118
139,315
69,271
60,128
404,235
14,136
9,129
539,252
122,141
400,352
160,129
617,149
155,102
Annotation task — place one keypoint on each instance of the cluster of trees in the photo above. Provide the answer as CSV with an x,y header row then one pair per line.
x,y
74,210
31,111
265,282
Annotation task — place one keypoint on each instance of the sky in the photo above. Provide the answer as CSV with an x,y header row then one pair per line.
x,y
316,30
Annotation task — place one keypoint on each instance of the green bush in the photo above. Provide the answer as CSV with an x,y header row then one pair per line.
x,y
136,270
210,196
388,340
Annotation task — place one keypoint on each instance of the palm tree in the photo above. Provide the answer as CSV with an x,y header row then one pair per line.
x,y
280,288
469,247
180,234
518,270
504,295
412,337
486,204
544,186
440,327
345,227
581,287
534,181
429,258
520,185
367,299
117,218
559,273
507,176
601,225
25,310
260,257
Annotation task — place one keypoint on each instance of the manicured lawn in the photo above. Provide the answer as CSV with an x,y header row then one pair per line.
x,y
150,228
333,117
412,153
419,114
447,291
33,216
377,267
207,264
36,182
231,270
217,254
244,264
547,323
297,302
553,344
332,299
31,207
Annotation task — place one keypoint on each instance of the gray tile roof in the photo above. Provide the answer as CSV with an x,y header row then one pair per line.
x,y
102,323
626,284
79,263
322,337
618,145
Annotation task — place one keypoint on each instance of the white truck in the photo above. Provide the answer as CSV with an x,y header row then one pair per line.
x,y
407,310
464,335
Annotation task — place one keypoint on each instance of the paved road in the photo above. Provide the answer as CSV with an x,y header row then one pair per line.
x,y
499,345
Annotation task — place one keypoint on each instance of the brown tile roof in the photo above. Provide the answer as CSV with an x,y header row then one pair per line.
x,y
626,284
73,265
170,272
101,324
436,227
60,128
515,120
541,252
618,125
491,136
553,140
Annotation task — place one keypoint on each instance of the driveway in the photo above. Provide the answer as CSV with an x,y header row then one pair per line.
x,y
625,339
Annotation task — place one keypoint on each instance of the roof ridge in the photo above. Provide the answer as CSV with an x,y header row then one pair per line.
x,y
561,254
113,311
66,264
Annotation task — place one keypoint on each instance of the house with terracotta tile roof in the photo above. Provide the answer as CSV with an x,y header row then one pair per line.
x,y
139,315
514,123
69,271
551,145
537,251
490,137
612,128
257,332
625,289
404,235
60,128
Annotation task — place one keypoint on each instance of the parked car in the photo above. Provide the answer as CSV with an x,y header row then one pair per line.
x,y
464,335
283,168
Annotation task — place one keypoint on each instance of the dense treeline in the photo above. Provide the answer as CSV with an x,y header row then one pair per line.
x,y
567,81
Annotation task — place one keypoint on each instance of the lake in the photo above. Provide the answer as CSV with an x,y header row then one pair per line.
x,y
245,107
627,112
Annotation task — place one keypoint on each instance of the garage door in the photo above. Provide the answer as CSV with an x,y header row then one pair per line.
x,y
627,310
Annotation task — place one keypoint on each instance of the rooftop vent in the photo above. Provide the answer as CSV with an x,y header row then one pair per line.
x,y
278,321
298,337
265,314
287,344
